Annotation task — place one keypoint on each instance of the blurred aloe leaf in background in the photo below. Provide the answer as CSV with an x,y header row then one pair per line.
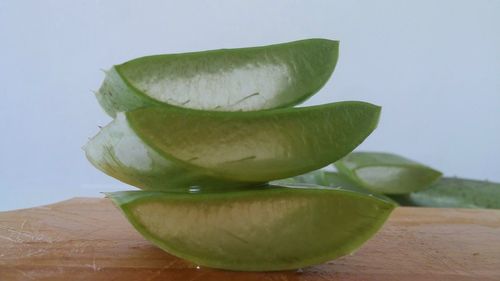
x,y
455,193
386,173
407,182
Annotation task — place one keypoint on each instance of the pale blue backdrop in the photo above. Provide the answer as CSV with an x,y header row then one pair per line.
x,y
434,66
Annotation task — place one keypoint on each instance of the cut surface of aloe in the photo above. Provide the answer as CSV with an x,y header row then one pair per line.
x,y
386,173
273,228
456,193
243,79
163,148
120,153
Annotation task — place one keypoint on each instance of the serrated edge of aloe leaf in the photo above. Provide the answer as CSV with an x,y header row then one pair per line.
x,y
373,125
343,250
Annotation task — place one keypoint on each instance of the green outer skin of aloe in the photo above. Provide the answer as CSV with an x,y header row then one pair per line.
x,y
259,230
386,173
244,79
255,146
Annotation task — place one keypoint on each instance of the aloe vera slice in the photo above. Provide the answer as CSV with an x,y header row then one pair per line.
x,y
321,178
266,229
386,173
456,193
324,178
222,80
256,146
162,148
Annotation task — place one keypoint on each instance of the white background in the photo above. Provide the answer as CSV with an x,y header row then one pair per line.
x,y
434,66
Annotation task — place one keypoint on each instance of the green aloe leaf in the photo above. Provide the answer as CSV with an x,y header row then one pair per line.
x,y
265,229
330,179
386,173
166,147
222,80
455,193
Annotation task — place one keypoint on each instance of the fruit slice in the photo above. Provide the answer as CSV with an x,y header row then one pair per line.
x,y
386,173
274,228
455,193
165,147
222,80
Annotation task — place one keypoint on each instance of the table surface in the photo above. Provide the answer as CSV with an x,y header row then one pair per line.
x,y
88,239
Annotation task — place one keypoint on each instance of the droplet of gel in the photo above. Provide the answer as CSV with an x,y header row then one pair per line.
x,y
194,189
197,267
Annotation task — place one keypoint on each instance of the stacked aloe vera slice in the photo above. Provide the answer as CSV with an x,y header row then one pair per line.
x,y
202,134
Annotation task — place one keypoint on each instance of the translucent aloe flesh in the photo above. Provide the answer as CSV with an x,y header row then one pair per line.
x,y
120,153
455,193
222,80
386,173
267,229
162,148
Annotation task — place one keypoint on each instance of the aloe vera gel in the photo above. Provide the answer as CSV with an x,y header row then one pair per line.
x,y
202,134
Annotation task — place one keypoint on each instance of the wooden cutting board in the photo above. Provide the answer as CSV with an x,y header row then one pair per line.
x,y
88,239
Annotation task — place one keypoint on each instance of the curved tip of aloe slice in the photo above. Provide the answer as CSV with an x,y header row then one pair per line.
x,y
245,79
276,228
118,152
386,173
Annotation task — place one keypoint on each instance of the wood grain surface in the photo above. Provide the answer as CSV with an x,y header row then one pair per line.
x,y
88,239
